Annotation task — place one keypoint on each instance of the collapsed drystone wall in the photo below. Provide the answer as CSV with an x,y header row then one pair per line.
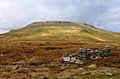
x,y
84,54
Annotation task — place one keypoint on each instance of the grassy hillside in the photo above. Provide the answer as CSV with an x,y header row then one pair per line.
x,y
60,30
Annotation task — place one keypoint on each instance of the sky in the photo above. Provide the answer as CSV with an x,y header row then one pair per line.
x,y
16,14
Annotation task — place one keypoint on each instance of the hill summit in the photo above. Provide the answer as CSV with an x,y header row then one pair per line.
x,y
63,31
52,23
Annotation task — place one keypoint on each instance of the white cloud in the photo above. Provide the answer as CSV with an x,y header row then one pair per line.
x,y
18,13
3,31
111,20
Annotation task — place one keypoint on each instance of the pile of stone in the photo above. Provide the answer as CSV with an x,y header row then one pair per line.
x,y
84,54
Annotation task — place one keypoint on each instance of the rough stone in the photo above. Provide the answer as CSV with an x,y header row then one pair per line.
x,y
15,67
92,66
108,74
86,73
78,61
66,58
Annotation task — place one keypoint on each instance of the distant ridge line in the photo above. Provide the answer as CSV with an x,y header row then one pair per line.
x,y
52,23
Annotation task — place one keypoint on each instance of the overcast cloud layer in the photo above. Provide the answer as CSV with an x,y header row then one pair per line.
x,y
101,13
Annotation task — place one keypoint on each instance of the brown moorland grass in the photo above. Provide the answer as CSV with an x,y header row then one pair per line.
x,y
35,52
